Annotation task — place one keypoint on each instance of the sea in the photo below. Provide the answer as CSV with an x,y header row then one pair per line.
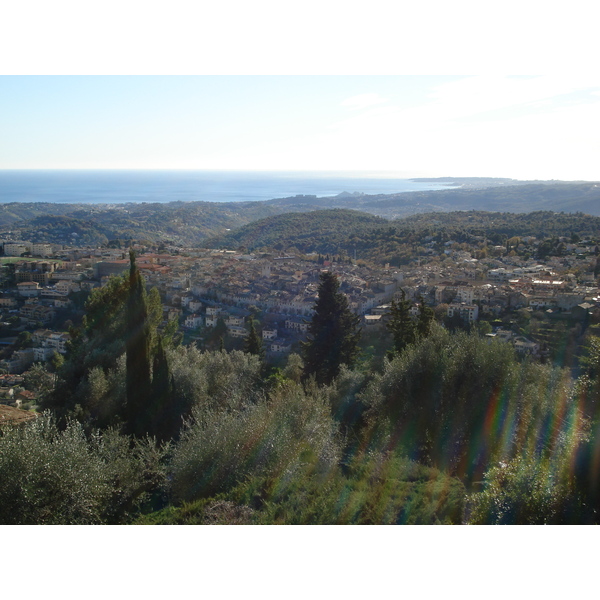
x,y
117,187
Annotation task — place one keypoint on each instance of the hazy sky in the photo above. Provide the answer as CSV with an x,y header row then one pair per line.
x,y
264,97
523,127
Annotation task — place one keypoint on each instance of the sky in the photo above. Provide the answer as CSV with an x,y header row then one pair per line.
x,y
524,127
435,89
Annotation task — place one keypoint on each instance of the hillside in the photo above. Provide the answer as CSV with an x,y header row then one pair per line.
x,y
540,224
524,197
323,231
181,222
352,233
191,223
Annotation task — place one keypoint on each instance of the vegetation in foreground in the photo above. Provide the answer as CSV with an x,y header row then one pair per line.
x,y
451,429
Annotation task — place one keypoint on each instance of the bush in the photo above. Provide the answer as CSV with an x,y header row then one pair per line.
x,y
61,477
436,394
214,380
274,438
524,491
377,488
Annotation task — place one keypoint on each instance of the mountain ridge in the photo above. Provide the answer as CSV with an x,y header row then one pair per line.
x,y
189,223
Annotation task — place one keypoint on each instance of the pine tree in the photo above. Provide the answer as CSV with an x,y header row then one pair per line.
x,y
333,333
138,379
253,343
401,324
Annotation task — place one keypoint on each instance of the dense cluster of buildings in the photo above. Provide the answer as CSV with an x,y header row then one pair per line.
x,y
204,289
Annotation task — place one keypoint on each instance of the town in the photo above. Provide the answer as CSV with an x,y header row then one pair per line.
x,y
213,294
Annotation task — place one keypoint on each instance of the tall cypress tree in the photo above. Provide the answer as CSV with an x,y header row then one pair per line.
x,y
333,333
253,343
401,324
138,378
424,319
164,412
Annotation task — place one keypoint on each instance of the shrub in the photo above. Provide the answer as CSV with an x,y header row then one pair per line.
x,y
274,438
214,380
524,491
61,477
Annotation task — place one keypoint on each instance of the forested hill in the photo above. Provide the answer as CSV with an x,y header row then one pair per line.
x,y
191,223
184,223
523,197
541,224
346,232
324,231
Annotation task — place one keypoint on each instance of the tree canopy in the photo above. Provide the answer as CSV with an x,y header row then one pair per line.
x,y
333,333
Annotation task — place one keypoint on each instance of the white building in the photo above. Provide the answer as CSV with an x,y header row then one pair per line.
x,y
525,346
468,312
236,331
42,354
280,346
269,334
233,321
500,274
297,325
15,249
28,289
193,321
373,321
42,250
194,305
465,294
211,320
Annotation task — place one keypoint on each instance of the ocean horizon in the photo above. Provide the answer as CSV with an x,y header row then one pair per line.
x,y
125,186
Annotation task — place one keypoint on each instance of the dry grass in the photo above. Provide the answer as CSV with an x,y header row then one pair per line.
x,y
222,512
9,415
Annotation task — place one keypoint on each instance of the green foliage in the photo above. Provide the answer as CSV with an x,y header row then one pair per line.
x,y
484,327
401,324
23,340
214,380
384,488
216,510
525,491
163,413
98,345
138,370
294,368
50,476
56,362
39,380
103,395
214,337
425,319
345,399
89,380
398,242
273,438
107,378
189,222
376,488
333,333
458,400
253,343
323,231
591,359
105,318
